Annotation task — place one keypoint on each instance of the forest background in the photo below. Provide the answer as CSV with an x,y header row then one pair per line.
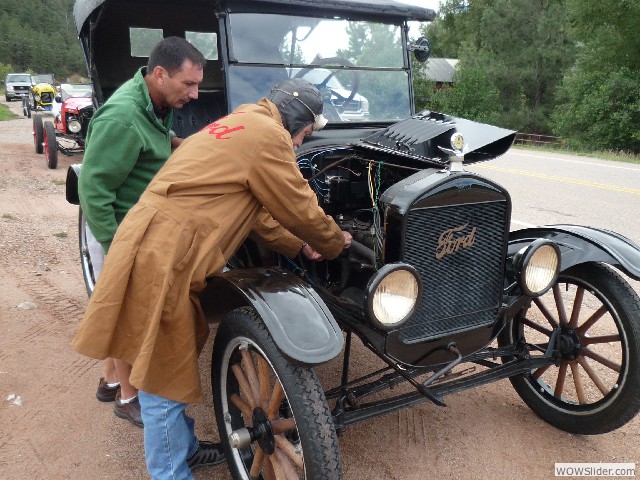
x,y
569,68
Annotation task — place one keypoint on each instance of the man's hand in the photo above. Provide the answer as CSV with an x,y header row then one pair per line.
x,y
175,142
347,239
311,254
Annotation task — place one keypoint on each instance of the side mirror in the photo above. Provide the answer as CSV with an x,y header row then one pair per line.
x,y
421,49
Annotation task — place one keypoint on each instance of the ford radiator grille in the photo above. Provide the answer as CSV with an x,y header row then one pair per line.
x,y
458,252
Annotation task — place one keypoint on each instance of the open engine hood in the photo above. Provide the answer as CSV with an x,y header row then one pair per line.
x,y
421,136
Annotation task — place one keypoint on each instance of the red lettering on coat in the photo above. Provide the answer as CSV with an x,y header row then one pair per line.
x,y
219,131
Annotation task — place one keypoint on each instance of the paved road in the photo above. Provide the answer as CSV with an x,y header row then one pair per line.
x,y
549,188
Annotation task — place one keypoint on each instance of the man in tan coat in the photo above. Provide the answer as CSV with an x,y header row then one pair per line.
x,y
238,177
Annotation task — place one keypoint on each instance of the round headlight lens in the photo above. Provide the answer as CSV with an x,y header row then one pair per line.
x,y
74,126
538,266
393,296
542,269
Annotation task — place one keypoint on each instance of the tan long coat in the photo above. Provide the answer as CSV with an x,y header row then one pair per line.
x,y
227,182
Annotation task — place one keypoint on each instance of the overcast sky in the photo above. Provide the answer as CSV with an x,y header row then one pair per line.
x,y
433,4
414,31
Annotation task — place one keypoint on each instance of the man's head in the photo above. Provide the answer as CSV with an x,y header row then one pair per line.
x,y
300,106
174,71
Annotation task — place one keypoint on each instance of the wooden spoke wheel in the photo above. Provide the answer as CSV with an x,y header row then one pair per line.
x,y
595,387
273,418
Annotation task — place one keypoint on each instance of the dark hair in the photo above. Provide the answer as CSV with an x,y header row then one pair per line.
x,y
171,52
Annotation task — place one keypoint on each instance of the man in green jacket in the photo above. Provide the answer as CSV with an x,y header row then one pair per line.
x,y
128,141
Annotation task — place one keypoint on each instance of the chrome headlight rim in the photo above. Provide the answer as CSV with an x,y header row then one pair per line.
x,y
522,259
377,280
74,125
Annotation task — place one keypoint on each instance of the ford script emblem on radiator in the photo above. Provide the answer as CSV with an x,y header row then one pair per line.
x,y
449,243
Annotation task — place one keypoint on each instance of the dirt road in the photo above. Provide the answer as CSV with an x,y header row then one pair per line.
x,y
52,427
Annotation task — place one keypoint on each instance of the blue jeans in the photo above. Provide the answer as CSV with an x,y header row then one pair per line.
x,y
169,437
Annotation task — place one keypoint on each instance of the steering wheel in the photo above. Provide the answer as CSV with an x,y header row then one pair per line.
x,y
355,84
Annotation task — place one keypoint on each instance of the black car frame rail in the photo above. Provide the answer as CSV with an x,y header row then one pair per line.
x,y
435,284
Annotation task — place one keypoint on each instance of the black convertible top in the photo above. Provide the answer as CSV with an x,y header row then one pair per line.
x,y
83,8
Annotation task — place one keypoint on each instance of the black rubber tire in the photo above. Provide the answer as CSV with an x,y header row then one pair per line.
x,y
85,256
243,334
7,99
604,397
38,133
50,145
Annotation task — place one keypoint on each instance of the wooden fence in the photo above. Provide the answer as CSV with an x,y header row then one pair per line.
x,y
535,140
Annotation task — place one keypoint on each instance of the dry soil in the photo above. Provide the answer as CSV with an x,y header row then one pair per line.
x,y
52,427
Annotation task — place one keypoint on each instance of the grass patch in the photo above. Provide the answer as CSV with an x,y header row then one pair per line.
x,y
617,156
59,181
61,234
6,114
8,216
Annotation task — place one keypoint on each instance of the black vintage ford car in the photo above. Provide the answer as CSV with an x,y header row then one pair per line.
x,y
435,284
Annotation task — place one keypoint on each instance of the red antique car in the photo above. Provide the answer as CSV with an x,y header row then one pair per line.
x,y
73,108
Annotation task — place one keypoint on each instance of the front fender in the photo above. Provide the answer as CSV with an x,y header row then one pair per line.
x,y
71,185
579,244
298,320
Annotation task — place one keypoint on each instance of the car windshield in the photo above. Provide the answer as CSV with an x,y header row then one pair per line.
x,y
42,78
358,66
19,78
69,90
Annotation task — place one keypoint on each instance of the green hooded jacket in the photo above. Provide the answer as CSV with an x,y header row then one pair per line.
x,y
126,145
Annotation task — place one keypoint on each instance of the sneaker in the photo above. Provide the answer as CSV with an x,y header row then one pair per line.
x,y
207,454
106,393
129,411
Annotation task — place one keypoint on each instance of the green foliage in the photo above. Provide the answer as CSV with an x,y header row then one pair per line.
x,y
39,36
474,97
519,47
601,110
599,102
5,69
6,114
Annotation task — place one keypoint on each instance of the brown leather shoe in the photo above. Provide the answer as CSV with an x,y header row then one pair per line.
x,y
129,411
106,393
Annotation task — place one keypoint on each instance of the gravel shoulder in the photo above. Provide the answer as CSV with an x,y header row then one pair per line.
x,y
52,427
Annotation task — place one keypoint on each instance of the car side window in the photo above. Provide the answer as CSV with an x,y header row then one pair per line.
x,y
205,42
143,40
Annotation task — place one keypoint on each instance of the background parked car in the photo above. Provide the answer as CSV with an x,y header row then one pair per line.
x,y
349,105
17,86
73,108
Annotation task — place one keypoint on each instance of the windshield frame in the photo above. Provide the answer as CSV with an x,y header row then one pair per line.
x,y
397,73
